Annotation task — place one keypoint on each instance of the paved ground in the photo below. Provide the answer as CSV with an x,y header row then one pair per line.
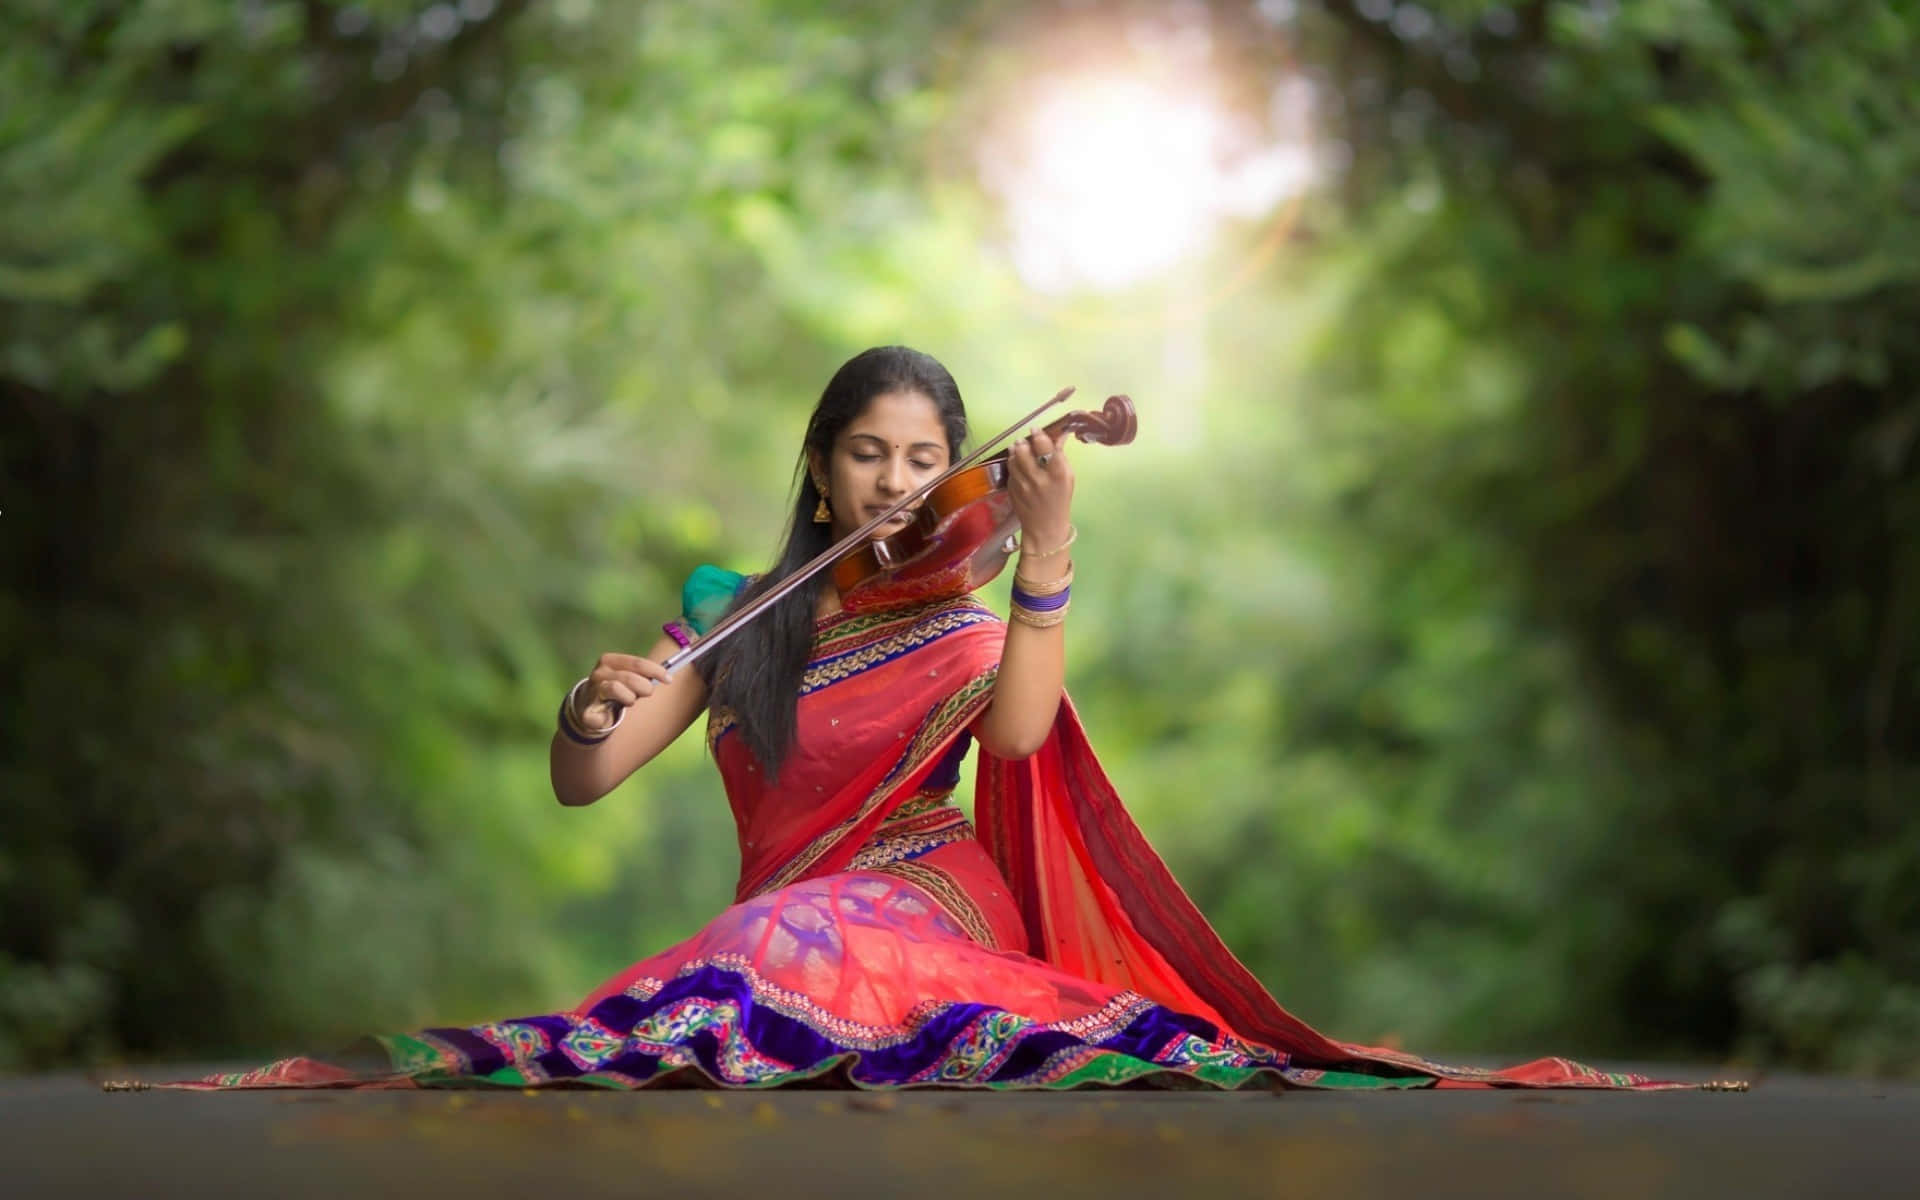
x,y
1788,1137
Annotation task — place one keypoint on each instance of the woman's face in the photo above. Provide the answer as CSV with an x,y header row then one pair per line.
x,y
889,450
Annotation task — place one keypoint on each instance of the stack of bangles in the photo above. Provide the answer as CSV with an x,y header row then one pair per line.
x,y
1044,605
570,721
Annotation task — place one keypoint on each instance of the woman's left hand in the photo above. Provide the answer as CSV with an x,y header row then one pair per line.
x,y
1040,484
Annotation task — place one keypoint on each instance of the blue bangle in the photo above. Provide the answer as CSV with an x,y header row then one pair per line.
x,y
1028,600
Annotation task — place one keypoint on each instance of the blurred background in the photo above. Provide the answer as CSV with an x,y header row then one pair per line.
x,y
1506,624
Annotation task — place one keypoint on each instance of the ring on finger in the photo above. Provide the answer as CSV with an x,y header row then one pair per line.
x,y
1044,459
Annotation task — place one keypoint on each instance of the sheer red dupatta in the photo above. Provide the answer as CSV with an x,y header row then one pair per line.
x,y
1099,902
884,697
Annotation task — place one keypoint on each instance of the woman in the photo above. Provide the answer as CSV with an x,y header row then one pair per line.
x,y
876,939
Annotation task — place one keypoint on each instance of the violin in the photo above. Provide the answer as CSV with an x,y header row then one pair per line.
x,y
962,534
958,539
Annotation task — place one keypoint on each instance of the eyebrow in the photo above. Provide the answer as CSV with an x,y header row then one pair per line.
x,y
874,437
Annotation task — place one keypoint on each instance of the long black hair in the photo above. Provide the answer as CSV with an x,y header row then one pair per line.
x,y
757,673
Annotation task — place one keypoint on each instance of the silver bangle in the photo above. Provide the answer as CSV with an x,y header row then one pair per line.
x,y
573,714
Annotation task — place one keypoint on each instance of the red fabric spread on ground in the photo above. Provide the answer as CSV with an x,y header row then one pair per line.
x,y
1094,901
872,928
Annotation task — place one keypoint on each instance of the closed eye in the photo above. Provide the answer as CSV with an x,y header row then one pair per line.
x,y
917,464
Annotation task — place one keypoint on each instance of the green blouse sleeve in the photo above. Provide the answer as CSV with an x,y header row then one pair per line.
x,y
709,590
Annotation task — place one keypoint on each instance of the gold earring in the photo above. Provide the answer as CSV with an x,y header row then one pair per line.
x,y
822,515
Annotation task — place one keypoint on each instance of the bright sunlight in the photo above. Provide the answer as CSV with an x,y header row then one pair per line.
x,y
1110,180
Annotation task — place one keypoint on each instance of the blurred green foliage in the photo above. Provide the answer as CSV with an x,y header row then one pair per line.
x,y
1505,627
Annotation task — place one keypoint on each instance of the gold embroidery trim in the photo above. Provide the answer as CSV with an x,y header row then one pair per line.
x,y
925,802
949,716
849,628
916,629
940,724
945,891
915,635
892,843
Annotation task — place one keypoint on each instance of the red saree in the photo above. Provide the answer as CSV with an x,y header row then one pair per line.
x,y
875,941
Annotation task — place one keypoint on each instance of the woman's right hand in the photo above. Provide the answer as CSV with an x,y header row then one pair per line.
x,y
617,681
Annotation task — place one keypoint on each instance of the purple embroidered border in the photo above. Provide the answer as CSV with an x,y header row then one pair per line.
x,y
716,1019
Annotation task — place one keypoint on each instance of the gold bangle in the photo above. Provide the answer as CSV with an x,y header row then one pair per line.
x,y
1027,616
1073,531
1052,587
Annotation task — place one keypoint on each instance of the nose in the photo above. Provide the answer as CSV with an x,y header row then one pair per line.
x,y
893,477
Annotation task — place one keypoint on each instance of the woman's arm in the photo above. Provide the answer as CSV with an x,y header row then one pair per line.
x,y
1033,663
657,712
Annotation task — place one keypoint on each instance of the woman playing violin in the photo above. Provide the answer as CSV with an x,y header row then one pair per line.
x,y
889,422
878,936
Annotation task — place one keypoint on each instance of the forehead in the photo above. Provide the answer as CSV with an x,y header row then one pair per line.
x,y
899,418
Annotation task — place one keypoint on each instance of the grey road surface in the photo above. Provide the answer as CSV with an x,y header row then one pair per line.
x,y
62,1136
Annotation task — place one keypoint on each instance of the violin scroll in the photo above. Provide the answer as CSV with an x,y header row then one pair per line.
x,y
1113,424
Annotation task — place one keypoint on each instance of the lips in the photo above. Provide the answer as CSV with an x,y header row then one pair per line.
x,y
874,510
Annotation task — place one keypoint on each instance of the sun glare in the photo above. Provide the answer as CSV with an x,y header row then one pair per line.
x,y
1110,181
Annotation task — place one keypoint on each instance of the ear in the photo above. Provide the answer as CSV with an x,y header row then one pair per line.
x,y
817,469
